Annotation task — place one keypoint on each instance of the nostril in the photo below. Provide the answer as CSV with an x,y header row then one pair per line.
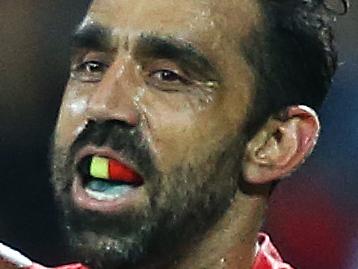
x,y
128,117
118,123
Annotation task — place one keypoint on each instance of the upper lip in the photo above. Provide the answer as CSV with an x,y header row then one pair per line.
x,y
104,151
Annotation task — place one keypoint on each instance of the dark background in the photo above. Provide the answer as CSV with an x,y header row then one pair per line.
x,y
313,216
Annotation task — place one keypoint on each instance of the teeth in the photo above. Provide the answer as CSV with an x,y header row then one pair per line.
x,y
105,191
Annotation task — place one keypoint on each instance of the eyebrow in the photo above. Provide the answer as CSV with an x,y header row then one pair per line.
x,y
178,50
92,36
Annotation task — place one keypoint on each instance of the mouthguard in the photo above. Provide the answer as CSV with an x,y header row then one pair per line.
x,y
112,170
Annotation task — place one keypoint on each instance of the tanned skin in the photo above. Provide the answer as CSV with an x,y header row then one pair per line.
x,y
175,72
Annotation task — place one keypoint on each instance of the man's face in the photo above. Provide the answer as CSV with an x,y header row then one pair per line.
x,y
163,90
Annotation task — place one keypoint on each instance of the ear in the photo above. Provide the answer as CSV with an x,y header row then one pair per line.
x,y
281,145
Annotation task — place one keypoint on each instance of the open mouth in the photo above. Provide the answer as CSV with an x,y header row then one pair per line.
x,y
107,179
103,181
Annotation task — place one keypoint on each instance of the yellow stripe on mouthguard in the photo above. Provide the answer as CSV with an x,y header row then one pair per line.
x,y
99,167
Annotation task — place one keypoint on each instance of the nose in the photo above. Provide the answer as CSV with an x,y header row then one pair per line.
x,y
113,98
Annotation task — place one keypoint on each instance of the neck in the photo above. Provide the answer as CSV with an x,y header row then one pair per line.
x,y
231,242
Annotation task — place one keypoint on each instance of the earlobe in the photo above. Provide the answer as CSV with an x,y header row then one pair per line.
x,y
281,145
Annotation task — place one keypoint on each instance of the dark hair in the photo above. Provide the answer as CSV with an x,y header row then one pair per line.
x,y
297,57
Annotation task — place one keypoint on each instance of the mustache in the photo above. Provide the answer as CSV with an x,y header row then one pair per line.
x,y
121,137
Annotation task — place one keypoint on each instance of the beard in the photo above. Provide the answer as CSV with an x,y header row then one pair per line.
x,y
179,206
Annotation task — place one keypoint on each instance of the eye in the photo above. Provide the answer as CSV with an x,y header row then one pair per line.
x,y
89,71
166,75
93,67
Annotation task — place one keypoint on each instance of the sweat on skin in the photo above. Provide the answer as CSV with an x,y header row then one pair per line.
x,y
164,90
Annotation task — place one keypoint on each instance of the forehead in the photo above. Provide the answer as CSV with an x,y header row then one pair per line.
x,y
149,15
199,21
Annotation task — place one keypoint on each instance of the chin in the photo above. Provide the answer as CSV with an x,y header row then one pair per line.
x,y
100,251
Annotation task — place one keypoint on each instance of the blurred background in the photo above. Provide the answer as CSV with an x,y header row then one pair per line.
x,y
313,215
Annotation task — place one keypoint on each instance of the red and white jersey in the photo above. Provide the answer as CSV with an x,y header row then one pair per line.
x,y
267,257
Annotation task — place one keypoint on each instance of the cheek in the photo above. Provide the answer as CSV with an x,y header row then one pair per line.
x,y
72,120
78,106
182,131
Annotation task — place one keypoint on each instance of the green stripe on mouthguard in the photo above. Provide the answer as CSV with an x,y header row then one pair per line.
x,y
99,167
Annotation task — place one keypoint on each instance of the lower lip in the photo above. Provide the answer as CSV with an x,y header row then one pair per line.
x,y
84,201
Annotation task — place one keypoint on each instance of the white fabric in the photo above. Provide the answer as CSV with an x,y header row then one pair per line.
x,y
14,257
